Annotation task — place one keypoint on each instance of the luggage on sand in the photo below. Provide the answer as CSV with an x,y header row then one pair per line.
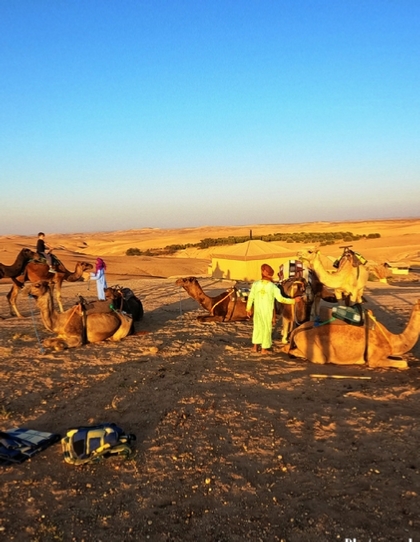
x,y
18,445
90,444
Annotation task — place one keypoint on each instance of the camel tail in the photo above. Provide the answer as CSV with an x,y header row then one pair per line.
x,y
125,327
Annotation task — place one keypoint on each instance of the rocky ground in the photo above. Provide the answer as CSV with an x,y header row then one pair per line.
x,y
230,446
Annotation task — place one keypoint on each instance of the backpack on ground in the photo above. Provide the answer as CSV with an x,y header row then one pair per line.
x,y
89,444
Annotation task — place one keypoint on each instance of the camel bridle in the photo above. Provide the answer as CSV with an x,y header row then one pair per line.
x,y
81,309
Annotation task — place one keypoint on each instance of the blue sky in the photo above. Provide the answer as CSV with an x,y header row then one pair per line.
x,y
122,114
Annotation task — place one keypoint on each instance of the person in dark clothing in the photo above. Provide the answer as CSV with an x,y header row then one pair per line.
x,y
42,247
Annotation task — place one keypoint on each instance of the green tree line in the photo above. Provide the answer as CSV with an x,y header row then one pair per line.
x,y
321,238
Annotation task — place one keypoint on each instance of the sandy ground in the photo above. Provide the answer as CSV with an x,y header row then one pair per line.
x,y
230,446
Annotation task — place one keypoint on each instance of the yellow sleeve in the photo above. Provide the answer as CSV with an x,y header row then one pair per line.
x,y
281,299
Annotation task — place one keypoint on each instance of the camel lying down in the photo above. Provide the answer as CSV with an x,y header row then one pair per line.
x,y
225,307
77,326
345,344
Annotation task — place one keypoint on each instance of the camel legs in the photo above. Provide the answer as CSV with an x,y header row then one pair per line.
x,y
13,295
58,298
388,362
58,343
210,318
287,327
11,299
125,327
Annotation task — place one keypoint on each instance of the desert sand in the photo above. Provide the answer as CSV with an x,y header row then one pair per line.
x,y
231,446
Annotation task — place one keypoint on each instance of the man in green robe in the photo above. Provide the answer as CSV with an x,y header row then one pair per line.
x,y
261,297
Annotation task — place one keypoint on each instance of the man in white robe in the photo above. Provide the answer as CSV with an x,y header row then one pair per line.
x,y
261,297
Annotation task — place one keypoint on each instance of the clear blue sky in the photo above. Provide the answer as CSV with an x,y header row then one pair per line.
x,y
120,114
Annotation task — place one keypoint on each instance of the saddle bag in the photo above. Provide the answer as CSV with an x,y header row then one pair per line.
x,y
350,315
90,444
18,445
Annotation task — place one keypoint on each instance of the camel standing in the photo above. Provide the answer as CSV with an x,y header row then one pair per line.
x,y
348,280
298,313
75,327
38,271
319,292
225,307
344,344
17,268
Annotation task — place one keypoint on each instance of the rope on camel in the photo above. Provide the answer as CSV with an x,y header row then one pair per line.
x,y
36,330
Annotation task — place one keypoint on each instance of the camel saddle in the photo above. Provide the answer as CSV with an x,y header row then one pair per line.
x,y
351,315
356,258
41,259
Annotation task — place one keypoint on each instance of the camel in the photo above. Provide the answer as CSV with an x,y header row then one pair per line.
x,y
124,299
317,292
298,313
36,271
343,344
228,306
348,280
16,269
77,326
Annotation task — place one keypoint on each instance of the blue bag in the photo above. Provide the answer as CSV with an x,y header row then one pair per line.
x,y
18,445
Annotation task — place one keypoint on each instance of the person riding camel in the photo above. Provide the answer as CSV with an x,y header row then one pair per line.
x,y
44,250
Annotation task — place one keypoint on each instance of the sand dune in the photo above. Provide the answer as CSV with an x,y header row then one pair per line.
x,y
399,241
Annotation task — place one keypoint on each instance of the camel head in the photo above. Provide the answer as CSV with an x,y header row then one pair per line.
x,y
38,289
83,268
308,254
113,293
186,281
110,293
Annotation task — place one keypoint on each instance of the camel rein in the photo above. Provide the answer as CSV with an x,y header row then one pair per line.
x,y
82,310
36,330
71,315
228,294
368,315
